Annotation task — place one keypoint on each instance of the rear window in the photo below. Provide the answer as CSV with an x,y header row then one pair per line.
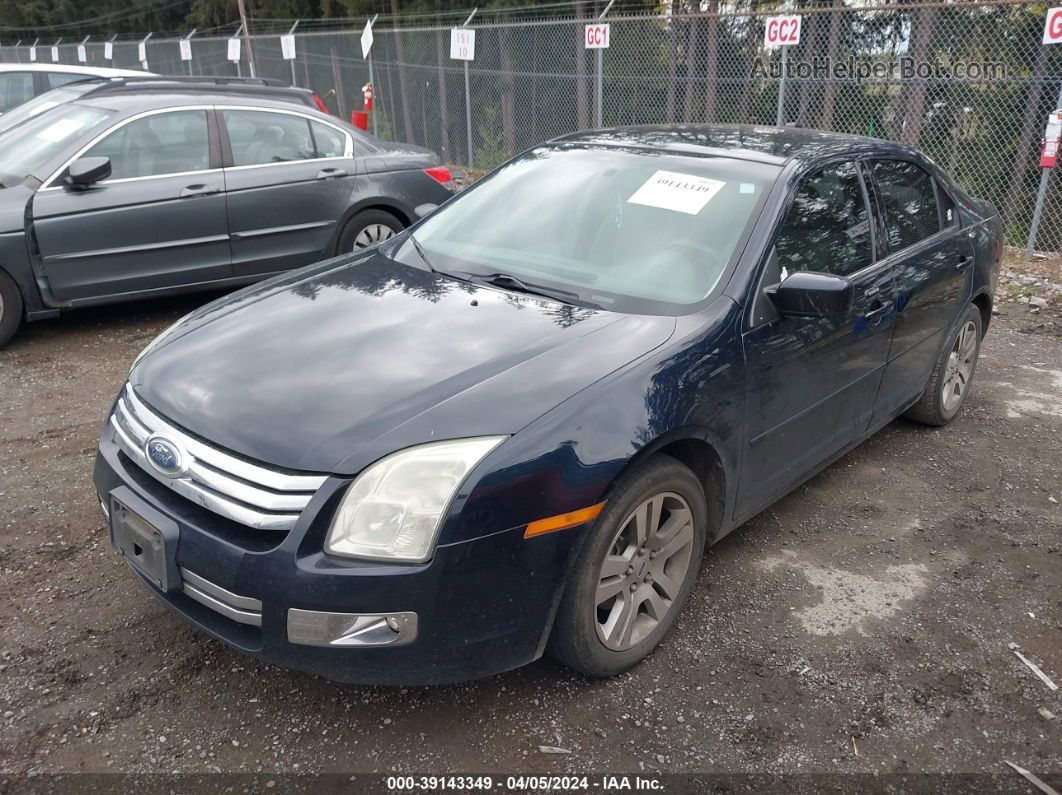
x,y
909,201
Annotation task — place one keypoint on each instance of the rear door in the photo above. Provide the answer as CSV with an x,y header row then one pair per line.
x,y
16,88
812,381
288,181
158,222
932,258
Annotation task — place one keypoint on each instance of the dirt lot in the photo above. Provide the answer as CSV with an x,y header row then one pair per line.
x,y
860,626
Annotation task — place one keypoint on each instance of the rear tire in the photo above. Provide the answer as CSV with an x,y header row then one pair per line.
x,y
635,570
366,229
10,308
952,377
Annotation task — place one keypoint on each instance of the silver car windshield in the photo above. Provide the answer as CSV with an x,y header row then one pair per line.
x,y
622,228
31,148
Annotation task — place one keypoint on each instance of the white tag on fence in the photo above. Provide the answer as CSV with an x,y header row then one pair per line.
x,y
186,49
234,49
366,40
108,51
82,56
287,47
141,51
463,44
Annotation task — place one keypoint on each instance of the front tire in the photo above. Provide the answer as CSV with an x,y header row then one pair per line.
x,y
366,229
10,308
635,570
950,381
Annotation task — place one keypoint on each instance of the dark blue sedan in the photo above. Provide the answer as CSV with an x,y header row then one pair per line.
x,y
515,426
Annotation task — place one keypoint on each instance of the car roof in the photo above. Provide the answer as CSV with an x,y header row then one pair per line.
x,y
132,102
93,71
775,145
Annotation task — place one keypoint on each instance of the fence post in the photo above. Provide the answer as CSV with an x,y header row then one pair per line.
x,y
143,46
18,55
779,119
372,83
81,49
189,38
599,61
291,32
468,100
1041,194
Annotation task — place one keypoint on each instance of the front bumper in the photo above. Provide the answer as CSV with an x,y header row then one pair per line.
x,y
479,607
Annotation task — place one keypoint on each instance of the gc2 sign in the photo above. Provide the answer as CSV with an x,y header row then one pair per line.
x,y
595,37
1053,26
782,31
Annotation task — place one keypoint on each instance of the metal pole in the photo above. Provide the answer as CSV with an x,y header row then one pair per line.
x,y
372,85
84,41
18,55
189,38
144,65
468,101
599,62
291,32
780,116
1041,194
56,46
246,35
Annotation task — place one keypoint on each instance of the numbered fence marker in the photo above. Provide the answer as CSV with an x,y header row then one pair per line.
x,y
108,51
366,40
141,52
463,44
82,56
782,31
1053,26
55,55
234,50
596,36
287,47
186,49
33,53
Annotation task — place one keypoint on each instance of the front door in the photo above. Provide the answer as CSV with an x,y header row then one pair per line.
x,y
812,381
288,184
157,222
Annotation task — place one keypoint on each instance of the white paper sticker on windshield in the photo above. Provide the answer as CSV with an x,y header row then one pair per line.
x,y
683,193
63,128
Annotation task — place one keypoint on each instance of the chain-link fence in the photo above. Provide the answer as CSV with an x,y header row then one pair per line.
x,y
969,83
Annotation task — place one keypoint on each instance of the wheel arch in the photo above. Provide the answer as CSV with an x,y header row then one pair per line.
x,y
370,203
983,302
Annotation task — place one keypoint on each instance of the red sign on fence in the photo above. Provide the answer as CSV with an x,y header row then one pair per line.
x,y
1053,26
781,31
1052,135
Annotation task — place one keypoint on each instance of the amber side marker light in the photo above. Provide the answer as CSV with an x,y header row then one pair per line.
x,y
563,521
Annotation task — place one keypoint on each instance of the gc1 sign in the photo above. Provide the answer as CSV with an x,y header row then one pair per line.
x,y
463,44
782,31
1053,26
595,37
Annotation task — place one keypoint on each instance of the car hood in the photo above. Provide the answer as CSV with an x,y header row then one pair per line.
x,y
327,369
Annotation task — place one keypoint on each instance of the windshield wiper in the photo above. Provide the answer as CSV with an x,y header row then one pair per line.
x,y
422,253
508,281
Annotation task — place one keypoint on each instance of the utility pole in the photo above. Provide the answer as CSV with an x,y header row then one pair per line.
x,y
246,35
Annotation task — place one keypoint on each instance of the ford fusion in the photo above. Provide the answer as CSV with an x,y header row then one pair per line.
x,y
514,427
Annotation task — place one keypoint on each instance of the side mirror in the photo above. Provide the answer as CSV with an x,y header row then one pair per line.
x,y
424,210
805,294
87,171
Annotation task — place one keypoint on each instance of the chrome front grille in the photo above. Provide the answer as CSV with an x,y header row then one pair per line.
x,y
247,493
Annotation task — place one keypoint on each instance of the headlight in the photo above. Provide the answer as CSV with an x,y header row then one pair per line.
x,y
159,338
394,508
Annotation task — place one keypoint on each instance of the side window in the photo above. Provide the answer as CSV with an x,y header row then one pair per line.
x,y
56,79
258,137
948,213
330,141
826,228
15,88
166,143
909,202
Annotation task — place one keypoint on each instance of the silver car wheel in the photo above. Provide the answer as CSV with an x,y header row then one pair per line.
x,y
960,367
644,570
372,235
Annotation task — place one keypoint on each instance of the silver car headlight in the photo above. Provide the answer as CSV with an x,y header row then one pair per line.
x,y
393,510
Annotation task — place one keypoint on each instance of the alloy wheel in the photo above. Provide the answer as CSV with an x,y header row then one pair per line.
x,y
959,369
643,571
371,235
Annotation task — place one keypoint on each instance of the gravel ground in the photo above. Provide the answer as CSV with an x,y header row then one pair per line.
x,y
860,626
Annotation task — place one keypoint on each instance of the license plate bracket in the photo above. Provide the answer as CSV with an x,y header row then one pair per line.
x,y
145,539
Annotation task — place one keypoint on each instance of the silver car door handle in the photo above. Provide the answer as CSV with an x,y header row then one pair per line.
x,y
328,173
963,262
198,190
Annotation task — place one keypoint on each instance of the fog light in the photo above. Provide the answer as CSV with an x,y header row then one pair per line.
x,y
345,630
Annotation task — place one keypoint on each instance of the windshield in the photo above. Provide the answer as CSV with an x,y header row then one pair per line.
x,y
30,149
625,229
46,101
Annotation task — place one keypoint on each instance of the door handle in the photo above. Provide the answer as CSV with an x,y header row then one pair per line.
x,y
328,173
198,190
963,262
875,315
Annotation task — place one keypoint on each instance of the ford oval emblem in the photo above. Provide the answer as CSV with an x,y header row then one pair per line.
x,y
165,455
